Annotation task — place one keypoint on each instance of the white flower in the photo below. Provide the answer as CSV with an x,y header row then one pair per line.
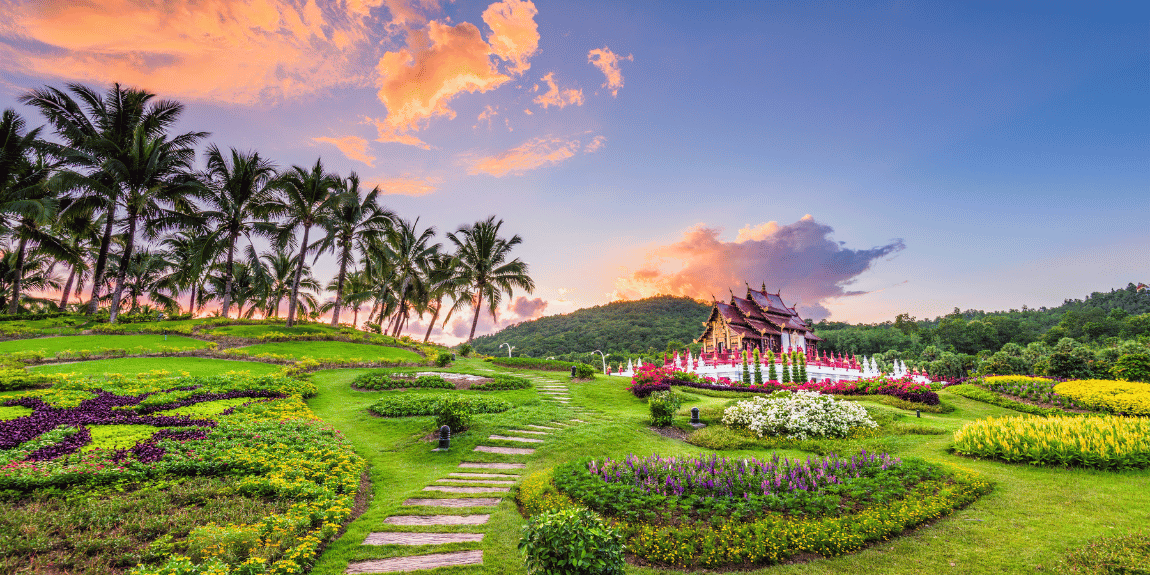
x,y
798,415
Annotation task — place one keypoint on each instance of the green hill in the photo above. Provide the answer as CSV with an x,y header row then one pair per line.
x,y
620,327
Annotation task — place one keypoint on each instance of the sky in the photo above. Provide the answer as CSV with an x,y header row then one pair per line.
x,y
865,159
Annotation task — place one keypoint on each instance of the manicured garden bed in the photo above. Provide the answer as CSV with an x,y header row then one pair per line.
x,y
328,351
173,365
80,346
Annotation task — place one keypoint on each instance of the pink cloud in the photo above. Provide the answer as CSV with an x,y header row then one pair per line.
x,y
407,186
514,33
556,97
608,63
520,310
353,147
800,259
533,154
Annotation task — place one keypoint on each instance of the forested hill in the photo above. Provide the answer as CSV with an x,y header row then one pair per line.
x,y
617,327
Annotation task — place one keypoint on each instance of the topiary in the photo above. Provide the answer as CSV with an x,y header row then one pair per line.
x,y
584,371
664,404
454,412
572,541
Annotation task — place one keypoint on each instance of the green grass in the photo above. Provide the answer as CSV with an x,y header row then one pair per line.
x,y
12,411
175,365
118,436
264,329
332,350
207,408
51,346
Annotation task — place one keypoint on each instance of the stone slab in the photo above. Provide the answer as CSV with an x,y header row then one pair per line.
x,y
421,538
476,465
504,450
542,427
416,562
465,502
527,431
477,519
518,439
451,489
491,475
487,481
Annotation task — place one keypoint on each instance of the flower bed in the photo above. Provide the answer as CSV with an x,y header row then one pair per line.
x,y
1036,389
1120,397
979,394
800,415
412,405
711,511
271,447
1106,442
650,379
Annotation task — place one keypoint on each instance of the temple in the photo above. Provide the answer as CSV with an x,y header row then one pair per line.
x,y
761,321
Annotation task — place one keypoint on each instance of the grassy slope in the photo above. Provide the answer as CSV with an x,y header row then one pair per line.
x,y
176,365
133,343
1033,515
264,329
341,350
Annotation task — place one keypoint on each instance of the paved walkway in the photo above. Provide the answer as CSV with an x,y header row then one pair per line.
x,y
470,479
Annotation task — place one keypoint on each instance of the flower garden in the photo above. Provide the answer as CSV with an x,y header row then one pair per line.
x,y
287,463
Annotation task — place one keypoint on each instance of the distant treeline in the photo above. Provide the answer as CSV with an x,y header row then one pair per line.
x,y
1094,332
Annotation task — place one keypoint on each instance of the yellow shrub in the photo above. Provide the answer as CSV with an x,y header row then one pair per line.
x,y
1104,442
1124,397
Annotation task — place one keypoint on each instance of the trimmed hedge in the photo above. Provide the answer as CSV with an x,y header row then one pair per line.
x,y
533,363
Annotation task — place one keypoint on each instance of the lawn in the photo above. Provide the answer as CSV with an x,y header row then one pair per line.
x,y
175,365
134,344
264,329
331,350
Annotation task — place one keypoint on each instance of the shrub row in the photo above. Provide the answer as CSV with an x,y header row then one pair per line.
x,y
978,394
383,381
1105,442
502,383
1039,389
412,405
533,363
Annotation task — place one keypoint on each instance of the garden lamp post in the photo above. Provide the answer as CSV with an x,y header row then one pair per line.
x,y
604,358
509,348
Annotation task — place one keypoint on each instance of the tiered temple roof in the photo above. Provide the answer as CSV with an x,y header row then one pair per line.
x,y
758,316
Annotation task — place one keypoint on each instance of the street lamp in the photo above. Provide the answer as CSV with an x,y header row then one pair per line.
x,y
509,348
604,358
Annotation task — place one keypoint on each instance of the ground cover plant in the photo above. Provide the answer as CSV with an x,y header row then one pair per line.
x,y
83,346
1122,397
413,405
1127,554
259,330
328,352
714,511
1033,389
174,366
290,479
979,394
1100,442
381,380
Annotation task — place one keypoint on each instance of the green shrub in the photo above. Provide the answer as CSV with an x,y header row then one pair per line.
x,y
454,412
502,383
465,350
413,405
443,359
532,363
1132,367
571,541
383,381
584,371
664,404
1110,555
978,394
13,378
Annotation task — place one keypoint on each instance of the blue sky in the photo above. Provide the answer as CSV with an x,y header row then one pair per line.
x,y
995,154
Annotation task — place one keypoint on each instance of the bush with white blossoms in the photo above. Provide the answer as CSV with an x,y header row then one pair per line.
x,y
798,415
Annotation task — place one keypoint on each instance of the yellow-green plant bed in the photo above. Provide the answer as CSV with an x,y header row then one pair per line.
x,y
1123,397
328,352
85,346
1101,442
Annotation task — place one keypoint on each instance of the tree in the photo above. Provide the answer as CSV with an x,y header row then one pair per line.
x,y
409,253
97,130
235,186
484,268
306,198
442,281
356,223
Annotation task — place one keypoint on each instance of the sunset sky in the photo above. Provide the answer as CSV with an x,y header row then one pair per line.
x,y
867,159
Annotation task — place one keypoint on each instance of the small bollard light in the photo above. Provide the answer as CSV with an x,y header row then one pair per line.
x,y
572,371
695,415
917,413
444,438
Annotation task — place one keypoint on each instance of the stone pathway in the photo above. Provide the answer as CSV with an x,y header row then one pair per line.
x,y
471,478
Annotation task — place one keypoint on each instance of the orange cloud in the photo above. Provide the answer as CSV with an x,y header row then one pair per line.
x,y
800,259
594,144
353,147
608,63
441,61
556,97
408,186
231,51
486,115
532,154
515,35
389,134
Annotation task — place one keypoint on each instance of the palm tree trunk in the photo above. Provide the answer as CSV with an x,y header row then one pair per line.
x,y
14,305
67,289
101,262
402,302
298,275
125,262
475,321
228,276
339,291
435,316
192,300
355,317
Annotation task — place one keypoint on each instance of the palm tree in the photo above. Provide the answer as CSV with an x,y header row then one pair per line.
x,y
37,272
307,199
235,189
20,173
155,176
409,252
147,277
484,268
442,281
357,292
355,223
96,129
277,280
191,250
